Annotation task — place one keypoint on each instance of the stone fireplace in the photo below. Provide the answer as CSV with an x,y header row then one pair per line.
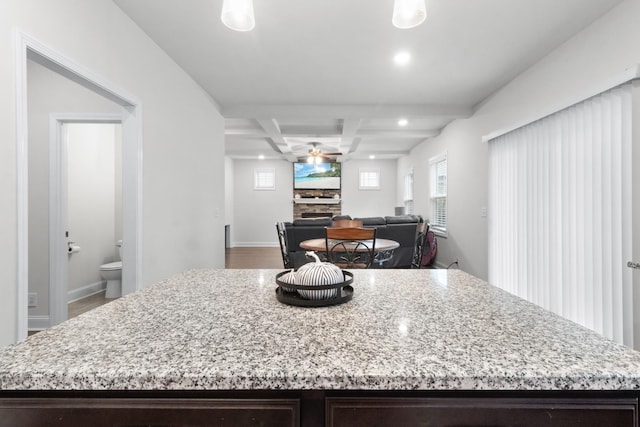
x,y
316,203
316,214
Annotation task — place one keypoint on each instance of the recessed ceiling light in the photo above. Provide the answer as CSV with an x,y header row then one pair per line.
x,y
261,156
402,58
403,122
372,157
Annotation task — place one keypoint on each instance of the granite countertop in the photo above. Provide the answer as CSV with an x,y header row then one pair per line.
x,y
403,330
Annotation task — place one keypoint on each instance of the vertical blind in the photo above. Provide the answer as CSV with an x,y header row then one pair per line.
x,y
560,203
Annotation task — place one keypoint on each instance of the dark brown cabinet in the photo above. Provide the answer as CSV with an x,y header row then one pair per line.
x,y
476,412
317,408
80,412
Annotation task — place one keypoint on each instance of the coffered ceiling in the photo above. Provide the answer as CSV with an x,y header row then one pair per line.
x,y
323,70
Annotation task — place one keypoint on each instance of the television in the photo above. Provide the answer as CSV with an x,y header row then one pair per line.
x,y
316,176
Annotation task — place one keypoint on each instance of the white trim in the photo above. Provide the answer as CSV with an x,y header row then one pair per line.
x,y
628,75
86,291
57,222
132,199
38,323
28,47
439,265
255,245
66,67
435,159
439,232
22,197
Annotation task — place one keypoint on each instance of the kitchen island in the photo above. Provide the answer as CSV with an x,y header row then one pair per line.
x,y
413,347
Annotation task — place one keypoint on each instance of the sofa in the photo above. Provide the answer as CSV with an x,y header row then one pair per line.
x,y
400,228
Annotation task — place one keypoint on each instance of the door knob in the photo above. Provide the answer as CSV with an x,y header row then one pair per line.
x,y
632,264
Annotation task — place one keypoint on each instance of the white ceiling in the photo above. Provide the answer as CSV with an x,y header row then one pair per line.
x,y
323,70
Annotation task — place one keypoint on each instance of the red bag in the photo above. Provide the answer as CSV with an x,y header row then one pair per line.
x,y
430,250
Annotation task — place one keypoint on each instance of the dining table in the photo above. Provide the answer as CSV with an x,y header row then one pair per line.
x,y
382,245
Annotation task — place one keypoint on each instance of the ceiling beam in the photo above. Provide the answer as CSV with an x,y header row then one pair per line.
x,y
415,133
268,112
350,128
354,145
275,139
301,131
244,132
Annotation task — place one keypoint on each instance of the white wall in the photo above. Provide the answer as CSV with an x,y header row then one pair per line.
x,y
183,159
595,55
257,211
365,203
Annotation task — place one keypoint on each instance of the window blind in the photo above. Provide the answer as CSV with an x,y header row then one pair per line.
x,y
264,179
369,179
408,192
560,213
439,193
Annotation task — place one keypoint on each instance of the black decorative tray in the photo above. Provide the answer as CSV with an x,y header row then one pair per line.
x,y
292,297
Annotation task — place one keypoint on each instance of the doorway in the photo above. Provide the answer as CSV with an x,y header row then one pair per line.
x,y
86,193
130,117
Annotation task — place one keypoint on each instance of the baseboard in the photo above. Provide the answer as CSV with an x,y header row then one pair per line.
x,y
38,323
255,245
85,291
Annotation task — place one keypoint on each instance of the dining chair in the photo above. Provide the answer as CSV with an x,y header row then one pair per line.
x,y
350,247
347,223
421,242
284,251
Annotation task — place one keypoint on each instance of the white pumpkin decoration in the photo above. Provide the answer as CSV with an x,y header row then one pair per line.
x,y
289,277
318,273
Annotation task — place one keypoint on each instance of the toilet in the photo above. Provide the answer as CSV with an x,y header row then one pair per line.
x,y
112,273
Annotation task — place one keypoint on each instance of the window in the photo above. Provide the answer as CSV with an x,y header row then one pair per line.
x,y
408,192
264,179
438,166
369,179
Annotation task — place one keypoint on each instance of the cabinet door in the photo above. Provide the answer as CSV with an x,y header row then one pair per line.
x,y
476,412
79,412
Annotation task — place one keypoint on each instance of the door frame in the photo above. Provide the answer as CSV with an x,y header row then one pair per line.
x,y
635,209
28,47
58,257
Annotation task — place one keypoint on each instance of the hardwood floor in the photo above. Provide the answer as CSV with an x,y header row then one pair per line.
x,y
85,304
234,258
253,258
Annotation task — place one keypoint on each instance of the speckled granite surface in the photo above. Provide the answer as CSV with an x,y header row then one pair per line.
x,y
403,330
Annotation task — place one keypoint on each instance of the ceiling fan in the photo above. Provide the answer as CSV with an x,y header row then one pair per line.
x,y
316,154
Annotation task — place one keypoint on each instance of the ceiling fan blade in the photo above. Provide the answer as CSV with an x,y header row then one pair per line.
x,y
332,154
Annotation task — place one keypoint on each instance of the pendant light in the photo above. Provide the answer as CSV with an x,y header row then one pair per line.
x,y
238,15
409,13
